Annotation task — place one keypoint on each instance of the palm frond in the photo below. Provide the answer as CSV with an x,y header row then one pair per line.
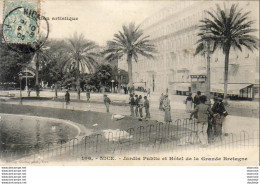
x,y
226,28
81,50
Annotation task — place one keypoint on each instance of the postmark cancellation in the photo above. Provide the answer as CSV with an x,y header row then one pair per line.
x,y
21,21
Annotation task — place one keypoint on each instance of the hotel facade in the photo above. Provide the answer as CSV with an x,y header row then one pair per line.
x,y
173,31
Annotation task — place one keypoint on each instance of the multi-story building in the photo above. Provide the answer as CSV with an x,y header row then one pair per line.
x,y
173,31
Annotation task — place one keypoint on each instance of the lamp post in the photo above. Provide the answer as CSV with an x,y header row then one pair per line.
x,y
209,49
20,78
26,83
119,81
112,85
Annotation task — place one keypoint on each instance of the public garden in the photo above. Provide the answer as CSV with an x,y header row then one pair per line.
x,y
39,121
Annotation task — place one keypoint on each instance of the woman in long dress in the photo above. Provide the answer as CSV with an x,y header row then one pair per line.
x,y
167,109
161,102
189,102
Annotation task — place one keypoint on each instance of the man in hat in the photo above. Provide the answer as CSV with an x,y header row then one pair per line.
x,y
167,109
213,121
140,105
67,98
196,100
132,103
107,102
146,106
88,95
136,105
203,112
221,111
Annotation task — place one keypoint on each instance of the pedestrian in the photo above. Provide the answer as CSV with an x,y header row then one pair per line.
x,y
136,105
189,102
67,98
203,112
161,102
196,100
88,95
148,92
107,102
219,109
29,92
141,105
146,106
167,109
132,104
213,122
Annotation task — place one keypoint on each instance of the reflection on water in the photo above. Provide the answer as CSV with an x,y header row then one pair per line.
x,y
19,134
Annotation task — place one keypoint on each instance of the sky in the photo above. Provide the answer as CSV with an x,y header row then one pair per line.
x,y
97,20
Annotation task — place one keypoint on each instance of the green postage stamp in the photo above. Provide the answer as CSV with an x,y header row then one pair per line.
x,y
20,23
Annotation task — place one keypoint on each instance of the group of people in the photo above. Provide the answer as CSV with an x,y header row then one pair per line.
x,y
137,104
210,120
190,102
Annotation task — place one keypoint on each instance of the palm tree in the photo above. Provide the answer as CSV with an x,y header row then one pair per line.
x,y
131,42
54,66
41,55
227,28
83,54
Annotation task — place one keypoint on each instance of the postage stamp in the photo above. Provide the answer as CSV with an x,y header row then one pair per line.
x,y
20,24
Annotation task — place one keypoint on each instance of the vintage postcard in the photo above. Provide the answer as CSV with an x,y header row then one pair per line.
x,y
129,82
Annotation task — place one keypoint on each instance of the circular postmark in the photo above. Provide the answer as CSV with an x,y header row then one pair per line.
x,y
18,27
22,26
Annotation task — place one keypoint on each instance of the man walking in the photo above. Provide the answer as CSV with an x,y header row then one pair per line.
x,y
146,106
218,108
88,95
203,112
161,102
136,105
107,102
67,98
167,109
132,103
141,105
197,99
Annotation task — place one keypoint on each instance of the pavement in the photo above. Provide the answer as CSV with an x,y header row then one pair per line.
x,y
235,121
177,101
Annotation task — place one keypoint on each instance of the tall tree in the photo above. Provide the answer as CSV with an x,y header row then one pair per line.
x,y
130,42
52,70
12,62
82,55
227,28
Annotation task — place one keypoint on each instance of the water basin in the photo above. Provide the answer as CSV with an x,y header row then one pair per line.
x,y
22,133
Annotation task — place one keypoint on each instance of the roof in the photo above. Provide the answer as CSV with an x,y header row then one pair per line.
x,y
233,89
139,84
182,86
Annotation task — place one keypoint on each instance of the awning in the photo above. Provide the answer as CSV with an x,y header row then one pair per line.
x,y
233,89
182,86
139,84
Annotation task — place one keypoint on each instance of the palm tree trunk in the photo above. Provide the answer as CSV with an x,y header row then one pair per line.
x,y
226,73
130,72
56,90
78,82
37,75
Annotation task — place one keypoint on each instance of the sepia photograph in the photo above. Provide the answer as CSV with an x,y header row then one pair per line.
x,y
129,83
